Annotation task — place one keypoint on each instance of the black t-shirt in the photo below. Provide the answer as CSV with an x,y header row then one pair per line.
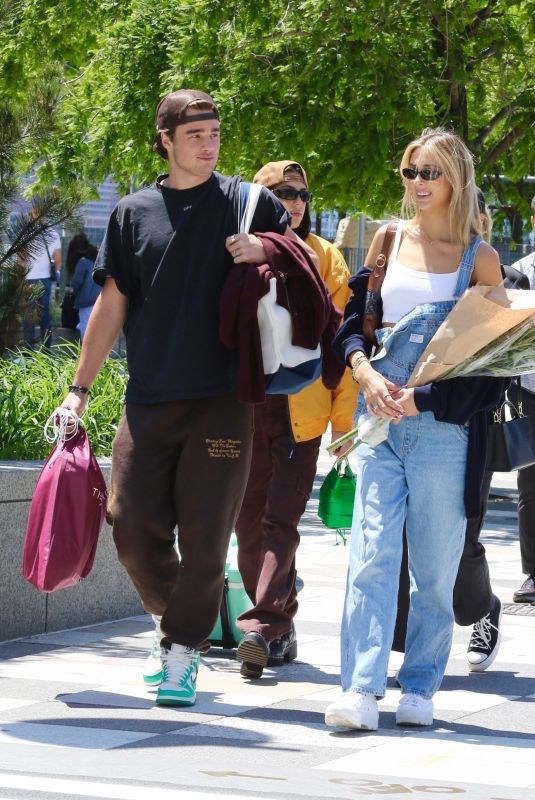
x,y
175,240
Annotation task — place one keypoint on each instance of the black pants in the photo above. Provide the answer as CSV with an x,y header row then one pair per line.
x,y
182,463
472,593
526,486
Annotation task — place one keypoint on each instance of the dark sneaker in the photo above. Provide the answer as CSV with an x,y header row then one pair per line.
x,y
283,649
253,651
526,593
485,639
251,671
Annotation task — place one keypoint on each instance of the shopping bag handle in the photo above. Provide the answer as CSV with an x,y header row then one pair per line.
x,y
345,469
61,426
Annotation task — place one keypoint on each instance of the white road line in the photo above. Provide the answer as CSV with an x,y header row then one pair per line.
x,y
110,791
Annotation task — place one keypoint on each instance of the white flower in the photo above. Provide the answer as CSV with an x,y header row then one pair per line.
x,y
372,430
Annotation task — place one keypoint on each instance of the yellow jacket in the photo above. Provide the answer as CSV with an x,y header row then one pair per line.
x,y
314,407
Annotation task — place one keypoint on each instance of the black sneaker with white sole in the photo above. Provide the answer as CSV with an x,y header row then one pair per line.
x,y
485,639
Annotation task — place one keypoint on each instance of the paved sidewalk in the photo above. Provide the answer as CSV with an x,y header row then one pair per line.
x,y
76,720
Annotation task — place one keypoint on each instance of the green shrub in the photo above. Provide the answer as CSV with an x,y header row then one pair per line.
x,y
34,383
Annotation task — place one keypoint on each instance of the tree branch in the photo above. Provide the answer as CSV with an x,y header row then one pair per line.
x,y
501,147
483,132
481,17
488,53
282,35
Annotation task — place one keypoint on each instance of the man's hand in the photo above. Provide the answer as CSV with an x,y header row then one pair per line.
x,y
245,248
75,402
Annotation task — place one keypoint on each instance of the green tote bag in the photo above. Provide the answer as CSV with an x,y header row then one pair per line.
x,y
337,495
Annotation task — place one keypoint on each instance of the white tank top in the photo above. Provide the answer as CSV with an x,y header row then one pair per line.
x,y
404,288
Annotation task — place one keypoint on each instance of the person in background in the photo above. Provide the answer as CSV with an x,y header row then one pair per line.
x,y
43,266
427,474
81,255
287,438
523,392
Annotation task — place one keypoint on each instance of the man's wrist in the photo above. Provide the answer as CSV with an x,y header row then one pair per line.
x,y
77,389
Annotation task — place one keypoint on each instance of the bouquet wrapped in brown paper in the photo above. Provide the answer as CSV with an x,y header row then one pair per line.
x,y
490,331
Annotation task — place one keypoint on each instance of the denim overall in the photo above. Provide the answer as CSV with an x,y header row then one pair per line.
x,y
416,476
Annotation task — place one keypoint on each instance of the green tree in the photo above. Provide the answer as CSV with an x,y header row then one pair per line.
x,y
342,87
25,129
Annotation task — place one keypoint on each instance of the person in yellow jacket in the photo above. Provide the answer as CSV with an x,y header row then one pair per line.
x,y
287,438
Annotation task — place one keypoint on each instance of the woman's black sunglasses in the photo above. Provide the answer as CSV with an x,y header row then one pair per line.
x,y
289,193
426,174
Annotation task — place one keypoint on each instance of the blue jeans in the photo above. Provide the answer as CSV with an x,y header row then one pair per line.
x,y
42,307
83,315
417,475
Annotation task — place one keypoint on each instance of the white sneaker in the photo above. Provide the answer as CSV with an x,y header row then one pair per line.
x,y
152,671
413,709
353,710
180,665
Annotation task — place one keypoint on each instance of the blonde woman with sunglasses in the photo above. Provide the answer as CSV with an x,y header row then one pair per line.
x,y
427,474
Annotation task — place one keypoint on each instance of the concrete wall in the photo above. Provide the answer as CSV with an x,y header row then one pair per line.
x,y
104,595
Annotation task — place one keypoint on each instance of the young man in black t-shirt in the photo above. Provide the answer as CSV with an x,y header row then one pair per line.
x,y
182,451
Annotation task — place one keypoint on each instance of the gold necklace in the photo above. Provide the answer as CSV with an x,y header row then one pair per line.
x,y
421,233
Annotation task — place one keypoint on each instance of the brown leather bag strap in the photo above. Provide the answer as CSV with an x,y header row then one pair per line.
x,y
375,281
370,319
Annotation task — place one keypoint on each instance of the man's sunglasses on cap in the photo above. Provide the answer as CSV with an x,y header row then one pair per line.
x,y
426,174
289,193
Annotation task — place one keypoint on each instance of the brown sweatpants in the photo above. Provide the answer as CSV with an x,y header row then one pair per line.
x,y
180,463
280,483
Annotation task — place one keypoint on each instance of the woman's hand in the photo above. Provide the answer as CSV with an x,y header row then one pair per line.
x,y
405,398
379,393
245,248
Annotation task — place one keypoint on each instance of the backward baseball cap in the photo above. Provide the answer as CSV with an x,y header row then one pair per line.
x,y
275,173
173,109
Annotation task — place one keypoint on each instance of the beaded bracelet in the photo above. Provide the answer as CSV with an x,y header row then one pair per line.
x,y
79,389
356,364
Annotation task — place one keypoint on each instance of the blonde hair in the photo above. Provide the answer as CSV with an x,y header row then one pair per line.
x,y
449,153
486,225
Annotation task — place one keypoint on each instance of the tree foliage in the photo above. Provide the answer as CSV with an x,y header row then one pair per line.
x,y
26,129
341,87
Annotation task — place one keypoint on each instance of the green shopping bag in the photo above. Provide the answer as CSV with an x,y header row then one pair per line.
x,y
235,601
337,495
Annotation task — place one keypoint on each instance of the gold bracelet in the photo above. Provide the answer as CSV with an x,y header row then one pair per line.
x,y
356,364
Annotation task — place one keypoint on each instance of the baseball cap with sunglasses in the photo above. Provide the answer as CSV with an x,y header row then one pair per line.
x,y
426,174
289,193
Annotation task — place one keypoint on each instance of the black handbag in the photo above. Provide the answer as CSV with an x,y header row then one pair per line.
x,y
69,314
510,444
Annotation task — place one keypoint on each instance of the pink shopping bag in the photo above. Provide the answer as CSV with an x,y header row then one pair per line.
x,y
66,515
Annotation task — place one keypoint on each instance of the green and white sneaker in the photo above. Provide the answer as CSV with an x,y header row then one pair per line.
x,y
152,671
180,665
